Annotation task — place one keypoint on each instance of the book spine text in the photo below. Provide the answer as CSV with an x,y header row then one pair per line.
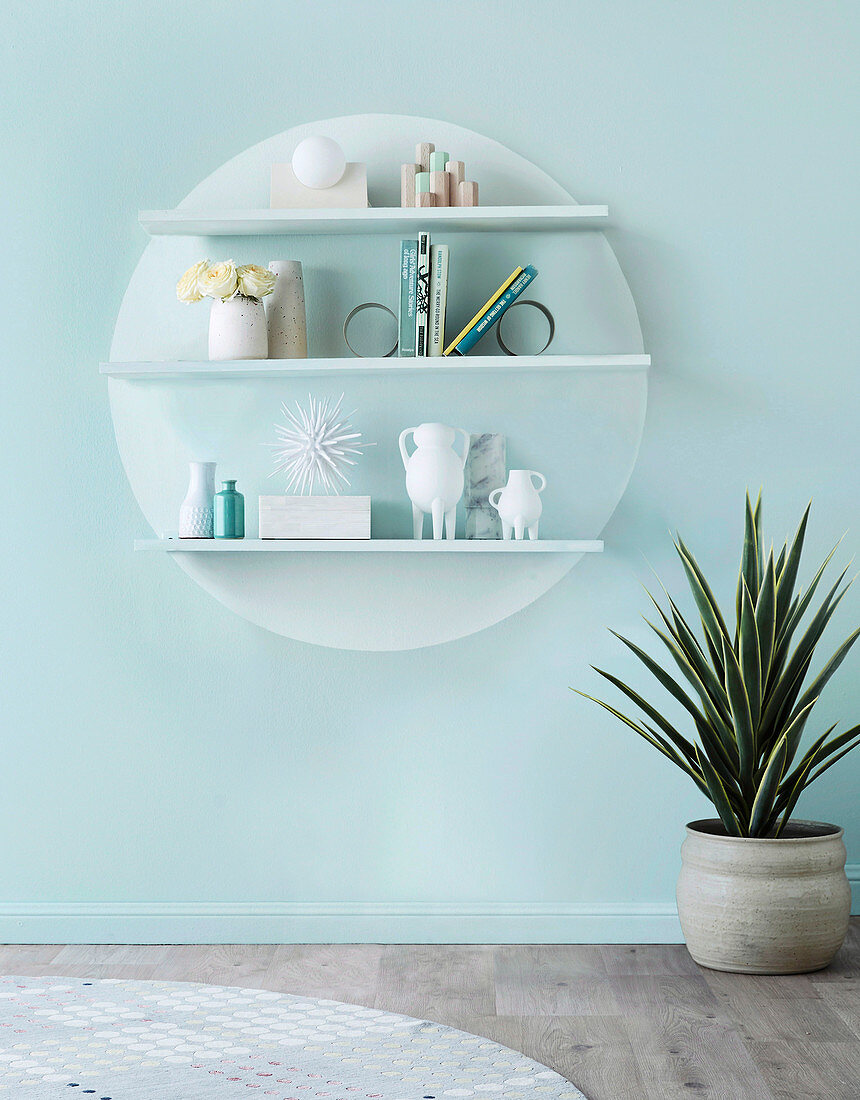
x,y
438,297
408,289
494,313
422,295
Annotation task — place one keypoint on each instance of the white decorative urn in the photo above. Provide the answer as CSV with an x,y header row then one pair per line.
x,y
237,329
434,476
285,312
197,512
518,504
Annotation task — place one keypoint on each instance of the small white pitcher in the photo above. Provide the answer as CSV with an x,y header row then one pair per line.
x,y
518,504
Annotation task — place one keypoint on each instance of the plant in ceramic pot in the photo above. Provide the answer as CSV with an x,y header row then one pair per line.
x,y
759,892
237,321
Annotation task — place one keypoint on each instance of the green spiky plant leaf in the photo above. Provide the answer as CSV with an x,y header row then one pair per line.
x,y
743,692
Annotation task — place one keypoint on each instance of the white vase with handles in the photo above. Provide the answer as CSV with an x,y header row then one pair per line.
x,y
237,329
434,476
519,504
285,312
197,512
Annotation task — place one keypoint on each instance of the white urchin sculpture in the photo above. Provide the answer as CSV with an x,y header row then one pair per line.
x,y
314,445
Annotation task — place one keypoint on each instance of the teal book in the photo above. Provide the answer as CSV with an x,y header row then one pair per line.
x,y
482,327
408,292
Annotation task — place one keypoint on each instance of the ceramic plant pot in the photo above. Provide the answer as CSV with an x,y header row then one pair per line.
x,y
519,504
197,513
434,476
237,329
757,906
285,312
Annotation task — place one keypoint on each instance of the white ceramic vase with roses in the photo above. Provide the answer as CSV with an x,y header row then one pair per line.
x,y
237,321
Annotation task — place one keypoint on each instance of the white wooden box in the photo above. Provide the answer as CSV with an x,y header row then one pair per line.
x,y
314,517
349,193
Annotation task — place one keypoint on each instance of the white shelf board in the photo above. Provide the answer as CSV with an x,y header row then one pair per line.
x,y
236,223
370,546
306,368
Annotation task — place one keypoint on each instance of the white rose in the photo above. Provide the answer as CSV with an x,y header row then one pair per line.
x,y
187,289
255,281
219,280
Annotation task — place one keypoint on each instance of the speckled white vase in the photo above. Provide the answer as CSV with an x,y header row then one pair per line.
x,y
764,906
285,312
237,329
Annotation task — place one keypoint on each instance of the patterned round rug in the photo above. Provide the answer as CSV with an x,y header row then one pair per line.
x,y
130,1040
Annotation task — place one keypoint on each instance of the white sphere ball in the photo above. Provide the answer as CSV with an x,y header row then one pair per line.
x,y
319,162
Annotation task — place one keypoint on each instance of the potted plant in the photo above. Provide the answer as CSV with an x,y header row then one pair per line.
x,y
759,892
237,319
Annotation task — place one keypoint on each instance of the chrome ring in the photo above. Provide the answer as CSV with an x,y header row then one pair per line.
x,y
358,309
544,311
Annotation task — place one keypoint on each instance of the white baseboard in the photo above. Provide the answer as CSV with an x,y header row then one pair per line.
x,y
347,922
337,922
852,870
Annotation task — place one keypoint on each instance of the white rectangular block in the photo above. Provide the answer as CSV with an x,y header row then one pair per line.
x,y
350,193
292,517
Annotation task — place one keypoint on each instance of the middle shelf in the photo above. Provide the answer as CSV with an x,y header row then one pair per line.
x,y
310,368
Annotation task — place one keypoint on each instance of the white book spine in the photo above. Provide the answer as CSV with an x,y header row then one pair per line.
x,y
438,297
422,296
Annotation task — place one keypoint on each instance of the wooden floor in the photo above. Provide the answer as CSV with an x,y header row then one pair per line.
x,y
623,1023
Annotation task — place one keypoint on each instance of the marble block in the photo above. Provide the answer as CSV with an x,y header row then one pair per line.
x,y
485,470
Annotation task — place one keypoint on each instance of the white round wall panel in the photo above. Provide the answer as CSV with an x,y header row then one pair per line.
x,y
582,430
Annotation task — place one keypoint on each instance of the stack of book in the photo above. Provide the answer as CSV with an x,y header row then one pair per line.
x,y
423,296
424,300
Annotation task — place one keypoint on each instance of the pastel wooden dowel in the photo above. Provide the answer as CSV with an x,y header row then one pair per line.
x,y
439,182
422,155
467,193
407,184
425,198
456,170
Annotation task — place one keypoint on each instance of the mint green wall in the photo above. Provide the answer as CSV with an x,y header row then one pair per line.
x,y
193,758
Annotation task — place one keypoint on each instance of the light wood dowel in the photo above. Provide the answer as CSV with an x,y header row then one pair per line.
x,y
422,155
456,170
467,193
407,184
439,187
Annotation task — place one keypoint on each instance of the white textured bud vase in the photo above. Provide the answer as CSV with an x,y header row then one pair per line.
x,y
285,312
197,513
237,329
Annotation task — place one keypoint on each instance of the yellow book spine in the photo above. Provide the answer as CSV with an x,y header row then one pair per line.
x,y
483,310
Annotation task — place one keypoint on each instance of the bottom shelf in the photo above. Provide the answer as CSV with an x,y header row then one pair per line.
x,y
371,546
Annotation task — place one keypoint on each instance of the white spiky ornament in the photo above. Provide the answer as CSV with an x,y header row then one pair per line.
x,y
315,446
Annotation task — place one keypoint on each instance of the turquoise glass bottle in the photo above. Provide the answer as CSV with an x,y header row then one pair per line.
x,y
229,512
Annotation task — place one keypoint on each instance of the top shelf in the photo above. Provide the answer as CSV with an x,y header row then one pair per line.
x,y
458,219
